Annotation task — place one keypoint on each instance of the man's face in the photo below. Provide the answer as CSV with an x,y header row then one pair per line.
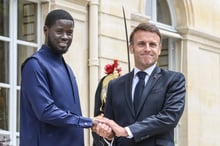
x,y
146,49
59,36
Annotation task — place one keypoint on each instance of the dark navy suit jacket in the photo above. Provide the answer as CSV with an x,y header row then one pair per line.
x,y
161,107
50,112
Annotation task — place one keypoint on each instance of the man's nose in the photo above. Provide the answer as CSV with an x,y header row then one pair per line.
x,y
147,46
65,36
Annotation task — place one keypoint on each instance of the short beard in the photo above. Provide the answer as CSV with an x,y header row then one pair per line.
x,y
55,49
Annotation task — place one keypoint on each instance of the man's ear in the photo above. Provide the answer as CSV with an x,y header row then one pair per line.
x,y
131,48
45,29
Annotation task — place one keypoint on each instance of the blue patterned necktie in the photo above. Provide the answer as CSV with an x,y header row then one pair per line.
x,y
139,89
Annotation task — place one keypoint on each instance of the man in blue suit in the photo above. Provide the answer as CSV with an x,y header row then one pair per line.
x,y
161,103
50,105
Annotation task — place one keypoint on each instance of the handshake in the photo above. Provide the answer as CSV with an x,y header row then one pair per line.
x,y
107,128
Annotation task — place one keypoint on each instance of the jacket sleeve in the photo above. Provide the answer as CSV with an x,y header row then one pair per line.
x,y
169,115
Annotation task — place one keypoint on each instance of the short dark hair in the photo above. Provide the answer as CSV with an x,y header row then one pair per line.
x,y
56,15
144,27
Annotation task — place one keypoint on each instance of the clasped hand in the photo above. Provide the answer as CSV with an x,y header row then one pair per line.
x,y
107,128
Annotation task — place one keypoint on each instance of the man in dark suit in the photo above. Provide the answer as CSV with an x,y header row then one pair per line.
x,y
161,102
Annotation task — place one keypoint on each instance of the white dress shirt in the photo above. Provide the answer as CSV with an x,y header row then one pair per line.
x,y
134,83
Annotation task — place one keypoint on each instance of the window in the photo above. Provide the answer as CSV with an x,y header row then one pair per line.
x,y
4,73
20,34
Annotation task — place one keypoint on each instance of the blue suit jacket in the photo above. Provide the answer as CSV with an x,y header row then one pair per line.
x,y
161,107
50,106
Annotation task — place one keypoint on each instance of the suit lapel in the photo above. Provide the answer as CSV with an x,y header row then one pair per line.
x,y
128,92
150,84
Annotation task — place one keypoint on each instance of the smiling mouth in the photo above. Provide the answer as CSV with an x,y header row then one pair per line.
x,y
147,55
63,45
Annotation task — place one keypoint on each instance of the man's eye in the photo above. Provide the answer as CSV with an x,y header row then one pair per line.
x,y
69,33
153,45
59,31
141,44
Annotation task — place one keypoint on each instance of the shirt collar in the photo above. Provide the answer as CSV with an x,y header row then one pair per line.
x,y
148,70
50,53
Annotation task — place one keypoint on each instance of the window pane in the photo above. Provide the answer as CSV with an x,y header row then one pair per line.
x,y
4,17
4,140
163,59
23,53
4,62
27,21
4,103
163,12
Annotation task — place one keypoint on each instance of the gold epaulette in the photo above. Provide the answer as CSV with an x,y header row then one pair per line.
x,y
105,82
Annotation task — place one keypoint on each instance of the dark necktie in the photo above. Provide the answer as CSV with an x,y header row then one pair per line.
x,y
139,89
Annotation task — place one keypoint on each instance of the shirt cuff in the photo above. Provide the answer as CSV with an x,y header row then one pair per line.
x,y
130,135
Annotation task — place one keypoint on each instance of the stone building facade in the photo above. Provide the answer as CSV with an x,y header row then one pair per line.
x,y
191,45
